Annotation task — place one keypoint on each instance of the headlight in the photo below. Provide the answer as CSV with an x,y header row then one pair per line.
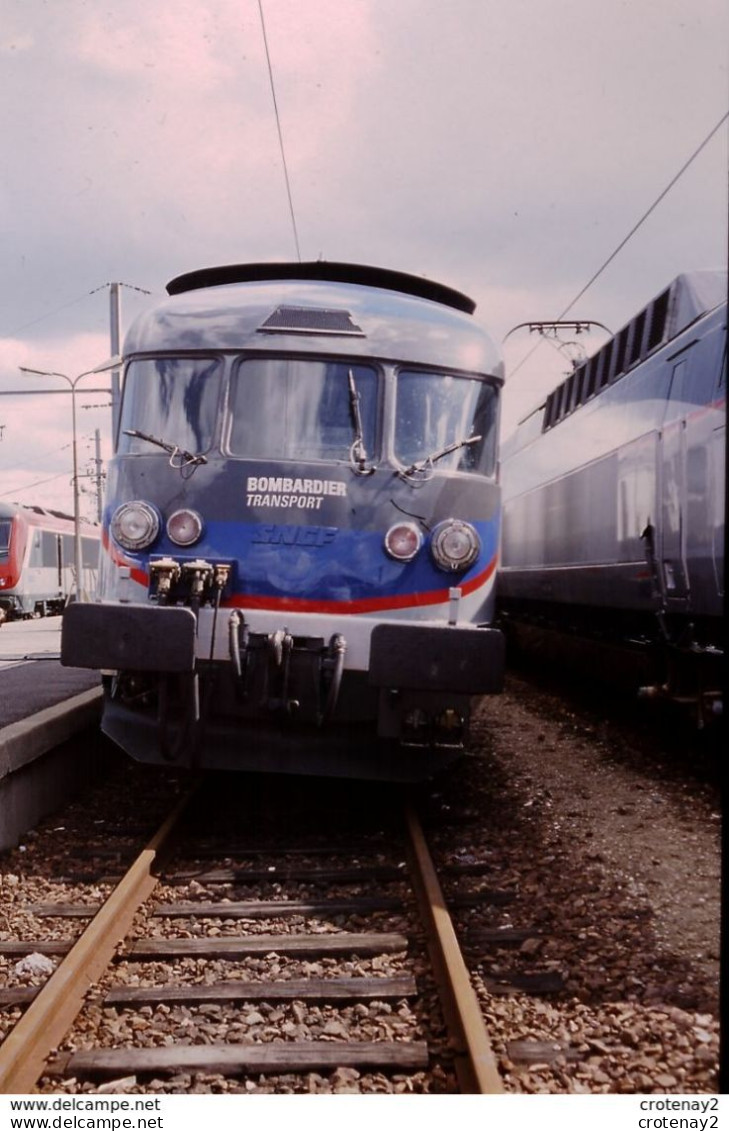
x,y
135,525
403,541
184,527
455,545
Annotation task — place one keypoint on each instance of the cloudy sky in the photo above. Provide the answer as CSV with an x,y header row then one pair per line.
x,y
503,148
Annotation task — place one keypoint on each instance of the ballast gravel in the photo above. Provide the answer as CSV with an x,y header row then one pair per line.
x,y
607,831
600,835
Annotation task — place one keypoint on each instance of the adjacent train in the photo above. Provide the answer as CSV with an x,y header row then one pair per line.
x,y
614,497
302,526
37,560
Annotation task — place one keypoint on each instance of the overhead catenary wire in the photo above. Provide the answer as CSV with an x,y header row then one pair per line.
x,y
87,439
50,313
629,236
71,302
29,486
280,132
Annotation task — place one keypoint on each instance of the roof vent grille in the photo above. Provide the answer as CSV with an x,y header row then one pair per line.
x,y
308,320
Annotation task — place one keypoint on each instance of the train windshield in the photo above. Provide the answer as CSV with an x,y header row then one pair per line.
x,y
5,527
438,411
172,398
301,409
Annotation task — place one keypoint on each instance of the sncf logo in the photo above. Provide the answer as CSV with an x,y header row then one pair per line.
x,y
295,535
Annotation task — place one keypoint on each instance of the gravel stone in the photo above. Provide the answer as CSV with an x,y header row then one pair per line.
x,y
607,844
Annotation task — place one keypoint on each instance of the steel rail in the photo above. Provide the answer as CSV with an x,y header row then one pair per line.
x,y
475,1062
42,1027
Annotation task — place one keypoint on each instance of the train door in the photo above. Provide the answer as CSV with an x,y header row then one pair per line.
x,y
718,452
59,564
673,489
33,569
51,561
68,558
718,479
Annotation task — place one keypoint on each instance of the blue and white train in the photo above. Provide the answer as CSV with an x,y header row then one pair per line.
x,y
614,496
302,525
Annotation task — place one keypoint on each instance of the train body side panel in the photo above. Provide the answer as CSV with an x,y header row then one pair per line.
x,y
644,456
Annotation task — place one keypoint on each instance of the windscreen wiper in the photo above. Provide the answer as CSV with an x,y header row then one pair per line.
x,y
357,452
424,464
179,457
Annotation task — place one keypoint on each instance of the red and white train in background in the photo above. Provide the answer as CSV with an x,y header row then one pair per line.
x,y
37,568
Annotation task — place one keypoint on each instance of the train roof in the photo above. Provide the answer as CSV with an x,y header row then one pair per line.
x,y
692,294
9,510
318,308
357,273
689,297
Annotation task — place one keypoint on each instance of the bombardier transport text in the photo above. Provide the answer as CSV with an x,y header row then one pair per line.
x,y
281,491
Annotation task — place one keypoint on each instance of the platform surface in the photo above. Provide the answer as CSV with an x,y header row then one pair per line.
x,y
31,676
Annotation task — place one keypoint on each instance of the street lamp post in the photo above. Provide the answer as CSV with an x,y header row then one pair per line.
x,y
73,382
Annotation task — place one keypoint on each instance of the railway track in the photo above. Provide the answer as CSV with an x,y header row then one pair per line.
x,y
266,941
589,973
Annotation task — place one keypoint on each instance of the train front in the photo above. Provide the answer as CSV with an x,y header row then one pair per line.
x,y
301,528
13,536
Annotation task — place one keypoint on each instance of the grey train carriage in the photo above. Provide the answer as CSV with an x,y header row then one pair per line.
x,y
614,500
301,527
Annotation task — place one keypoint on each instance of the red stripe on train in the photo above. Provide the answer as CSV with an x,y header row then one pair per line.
x,y
307,605
360,605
